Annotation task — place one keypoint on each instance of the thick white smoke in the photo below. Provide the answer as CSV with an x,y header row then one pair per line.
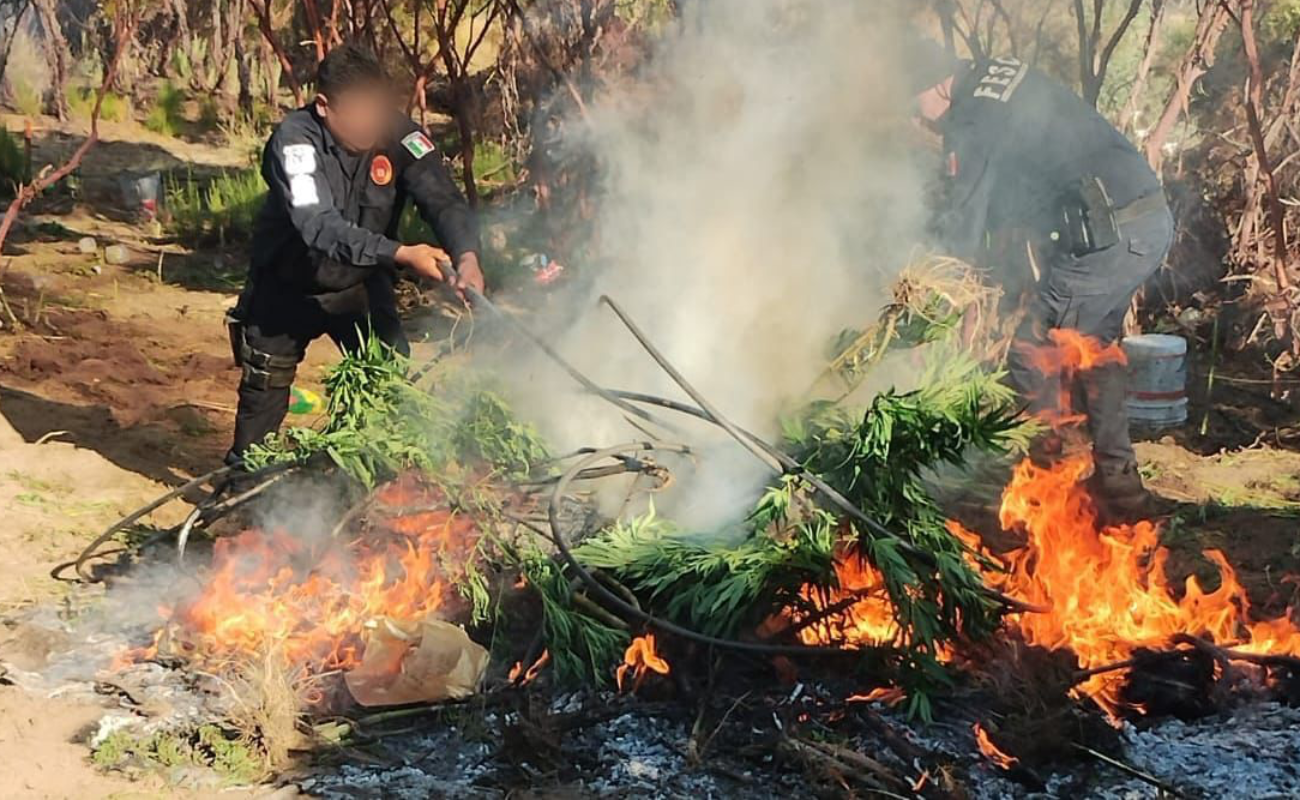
x,y
762,185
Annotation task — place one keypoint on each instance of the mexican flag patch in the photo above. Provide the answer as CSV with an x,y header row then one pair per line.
x,y
418,144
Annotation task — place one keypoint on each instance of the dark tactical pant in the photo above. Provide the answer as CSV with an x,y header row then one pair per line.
x,y
1091,294
280,321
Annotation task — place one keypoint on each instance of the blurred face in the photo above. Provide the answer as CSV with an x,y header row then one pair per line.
x,y
359,118
934,102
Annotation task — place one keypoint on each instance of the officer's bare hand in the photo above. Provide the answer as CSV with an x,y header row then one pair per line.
x,y
423,259
470,274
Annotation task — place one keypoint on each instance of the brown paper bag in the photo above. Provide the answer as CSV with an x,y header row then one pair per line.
x,y
417,662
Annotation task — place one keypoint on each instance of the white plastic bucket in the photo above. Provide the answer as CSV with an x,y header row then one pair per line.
x,y
1157,380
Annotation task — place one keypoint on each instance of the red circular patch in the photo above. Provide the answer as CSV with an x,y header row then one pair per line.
x,y
381,170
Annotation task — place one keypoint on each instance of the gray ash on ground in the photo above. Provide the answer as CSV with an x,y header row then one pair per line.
x,y
601,744
626,753
1253,751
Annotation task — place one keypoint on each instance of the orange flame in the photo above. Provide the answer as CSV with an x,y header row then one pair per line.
x,y
1066,354
640,659
889,695
273,592
1107,587
991,751
856,614
522,677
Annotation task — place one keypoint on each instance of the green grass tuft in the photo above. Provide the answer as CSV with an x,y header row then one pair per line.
x,y
13,163
209,114
236,760
494,164
81,102
166,117
224,210
26,100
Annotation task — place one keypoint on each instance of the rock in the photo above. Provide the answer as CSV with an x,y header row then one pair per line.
x,y
117,254
87,245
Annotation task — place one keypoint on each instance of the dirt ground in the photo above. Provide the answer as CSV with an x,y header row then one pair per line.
x,y
116,383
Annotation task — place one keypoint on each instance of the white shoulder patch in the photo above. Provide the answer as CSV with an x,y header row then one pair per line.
x,y
302,191
299,159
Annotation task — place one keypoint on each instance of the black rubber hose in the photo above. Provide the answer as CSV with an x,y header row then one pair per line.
x,y
130,519
748,441
478,300
79,563
760,449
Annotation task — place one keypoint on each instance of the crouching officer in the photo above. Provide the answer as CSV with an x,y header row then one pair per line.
x,y
1036,176
324,251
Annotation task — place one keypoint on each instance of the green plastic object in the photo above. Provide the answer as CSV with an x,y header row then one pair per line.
x,y
305,401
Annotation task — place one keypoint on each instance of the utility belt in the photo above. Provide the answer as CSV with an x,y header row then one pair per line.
x,y
261,370
1090,221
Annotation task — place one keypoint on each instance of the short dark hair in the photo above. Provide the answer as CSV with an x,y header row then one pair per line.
x,y
925,63
348,66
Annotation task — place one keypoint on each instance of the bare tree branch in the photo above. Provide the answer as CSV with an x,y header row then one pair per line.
x,y
1254,105
1140,79
1095,57
263,10
123,32
1196,62
57,51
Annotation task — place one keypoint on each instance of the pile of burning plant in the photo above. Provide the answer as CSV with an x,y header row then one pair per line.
x,y
458,534
1103,590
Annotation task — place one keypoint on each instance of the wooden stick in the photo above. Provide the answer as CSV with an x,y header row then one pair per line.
x,y
1130,770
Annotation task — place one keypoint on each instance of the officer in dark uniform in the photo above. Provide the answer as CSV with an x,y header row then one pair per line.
x,y
325,249
1038,177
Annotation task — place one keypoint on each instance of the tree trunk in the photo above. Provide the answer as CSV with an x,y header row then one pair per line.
x,y
11,37
56,49
1152,44
1094,57
245,68
262,8
1196,62
214,75
1086,75
1254,107
465,113
242,97
270,74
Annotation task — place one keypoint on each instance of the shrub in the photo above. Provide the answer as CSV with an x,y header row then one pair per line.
x,y
166,116
26,99
81,102
492,162
224,209
13,163
1282,20
209,114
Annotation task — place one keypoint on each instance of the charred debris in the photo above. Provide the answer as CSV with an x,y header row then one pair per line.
x,y
466,589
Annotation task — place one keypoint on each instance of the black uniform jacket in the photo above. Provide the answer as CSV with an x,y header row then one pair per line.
x,y
1017,142
330,218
